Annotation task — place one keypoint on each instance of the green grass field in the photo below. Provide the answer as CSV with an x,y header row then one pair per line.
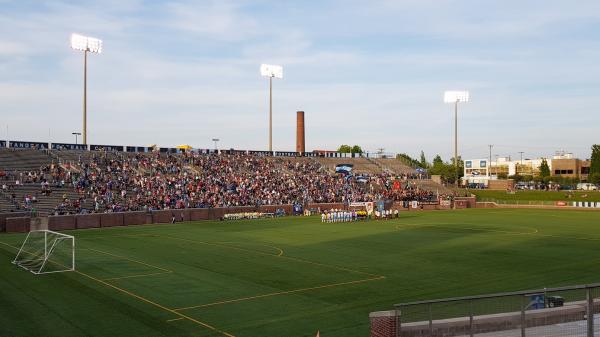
x,y
290,276
539,197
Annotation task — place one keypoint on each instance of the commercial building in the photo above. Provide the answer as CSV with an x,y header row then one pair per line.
x,y
562,164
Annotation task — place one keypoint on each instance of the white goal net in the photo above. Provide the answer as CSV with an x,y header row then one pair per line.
x,y
46,251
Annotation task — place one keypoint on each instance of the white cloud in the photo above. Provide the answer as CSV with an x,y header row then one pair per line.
x,y
215,19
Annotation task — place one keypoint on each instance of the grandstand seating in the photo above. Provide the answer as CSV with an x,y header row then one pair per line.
x,y
23,160
176,167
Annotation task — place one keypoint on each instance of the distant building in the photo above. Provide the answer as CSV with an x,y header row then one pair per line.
x,y
562,164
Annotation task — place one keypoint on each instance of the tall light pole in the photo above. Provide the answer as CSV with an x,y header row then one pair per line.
x,y
270,71
489,169
456,97
76,134
215,140
85,44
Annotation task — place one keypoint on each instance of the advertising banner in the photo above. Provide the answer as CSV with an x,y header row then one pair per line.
x,y
27,145
261,153
67,146
109,148
285,154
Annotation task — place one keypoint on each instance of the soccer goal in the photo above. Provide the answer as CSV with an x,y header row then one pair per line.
x,y
45,252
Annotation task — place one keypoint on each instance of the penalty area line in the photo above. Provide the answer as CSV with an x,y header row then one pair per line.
x,y
286,292
145,300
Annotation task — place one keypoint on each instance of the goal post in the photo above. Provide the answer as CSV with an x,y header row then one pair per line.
x,y
45,251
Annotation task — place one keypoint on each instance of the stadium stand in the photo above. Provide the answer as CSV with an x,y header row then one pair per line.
x,y
58,182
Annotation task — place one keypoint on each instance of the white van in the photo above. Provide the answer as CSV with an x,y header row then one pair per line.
x,y
587,187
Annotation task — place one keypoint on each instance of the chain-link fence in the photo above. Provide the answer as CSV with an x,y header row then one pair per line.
x,y
556,312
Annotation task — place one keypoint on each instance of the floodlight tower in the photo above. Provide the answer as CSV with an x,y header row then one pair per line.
x,y
85,44
455,97
270,71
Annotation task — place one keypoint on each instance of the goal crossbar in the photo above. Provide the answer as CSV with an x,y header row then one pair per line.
x,y
57,249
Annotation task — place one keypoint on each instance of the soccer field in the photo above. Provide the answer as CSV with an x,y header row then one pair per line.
x,y
290,276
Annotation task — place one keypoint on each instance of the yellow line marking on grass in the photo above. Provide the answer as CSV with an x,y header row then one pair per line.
x,y
449,226
143,299
175,319
269,254
135,276
255,244
11,246
131,260
286,292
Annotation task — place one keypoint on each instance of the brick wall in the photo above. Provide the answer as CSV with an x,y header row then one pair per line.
x,y
18,225
111,219
4,216
87,221
62,222
135,218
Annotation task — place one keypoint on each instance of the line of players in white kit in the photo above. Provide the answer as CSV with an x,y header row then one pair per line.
x,y
349,216
339,216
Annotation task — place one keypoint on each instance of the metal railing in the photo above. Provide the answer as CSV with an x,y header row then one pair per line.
x,y
553,312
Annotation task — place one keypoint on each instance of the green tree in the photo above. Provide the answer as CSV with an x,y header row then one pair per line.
x,y
408,160
423,162
344,148
544,169
445,170
594,176
356,149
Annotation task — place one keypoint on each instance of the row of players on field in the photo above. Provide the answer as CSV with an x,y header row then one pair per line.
x,y
348,216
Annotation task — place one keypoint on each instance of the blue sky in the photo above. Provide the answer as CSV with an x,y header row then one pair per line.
x,y
366,72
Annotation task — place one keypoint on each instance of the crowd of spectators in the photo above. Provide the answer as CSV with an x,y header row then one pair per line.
x,y
117,182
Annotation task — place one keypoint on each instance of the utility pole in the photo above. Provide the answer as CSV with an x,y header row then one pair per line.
x,y
521,152
489,169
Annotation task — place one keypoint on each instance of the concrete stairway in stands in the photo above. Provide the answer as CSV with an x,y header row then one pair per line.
x,y
394,165
430,185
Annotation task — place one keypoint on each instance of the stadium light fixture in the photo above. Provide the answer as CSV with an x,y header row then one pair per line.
x,y
76,134
455,97
87,45
215,140
271,71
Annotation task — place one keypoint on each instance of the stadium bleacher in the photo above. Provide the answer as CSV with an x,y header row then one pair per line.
x,y
100,181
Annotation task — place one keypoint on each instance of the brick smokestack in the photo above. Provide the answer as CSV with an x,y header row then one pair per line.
x,y
300,146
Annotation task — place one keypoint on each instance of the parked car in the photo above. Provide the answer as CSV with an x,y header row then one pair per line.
x,y
587,187
555,301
